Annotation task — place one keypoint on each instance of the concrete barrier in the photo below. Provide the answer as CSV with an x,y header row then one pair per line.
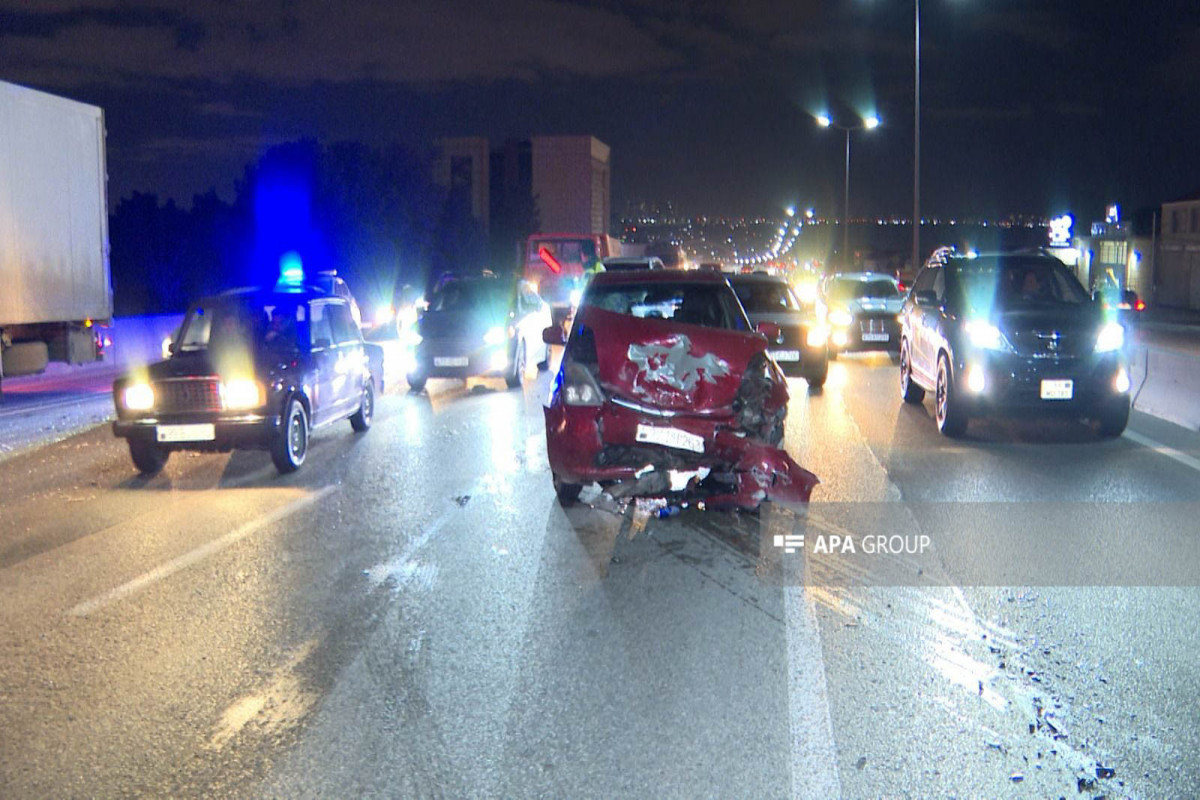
x,y
1166,384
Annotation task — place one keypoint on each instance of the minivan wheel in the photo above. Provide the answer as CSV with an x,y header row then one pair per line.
x,y
951,419
289,448
148,457
909,391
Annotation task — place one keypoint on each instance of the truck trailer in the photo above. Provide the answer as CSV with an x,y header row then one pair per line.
x,y
55,284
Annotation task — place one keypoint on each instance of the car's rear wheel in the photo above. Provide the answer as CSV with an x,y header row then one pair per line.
x,y
290,445
518,374
909,391
951,418
148,457
1113,419
567,492
361,420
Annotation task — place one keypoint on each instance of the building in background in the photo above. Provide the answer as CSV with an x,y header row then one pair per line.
x,y
572,183
556,184
463,167
1117,251
1179,253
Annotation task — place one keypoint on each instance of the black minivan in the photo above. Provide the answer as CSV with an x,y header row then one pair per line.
x,y
1011,334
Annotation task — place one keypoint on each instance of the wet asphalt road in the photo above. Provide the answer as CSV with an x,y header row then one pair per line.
x,y
414,615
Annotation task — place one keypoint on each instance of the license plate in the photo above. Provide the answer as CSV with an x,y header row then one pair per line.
x,y
670,437
450,361
1058,390
876,337
204,432
785,355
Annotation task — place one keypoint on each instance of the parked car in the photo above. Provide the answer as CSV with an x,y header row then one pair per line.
x,y
665,390
253,368
862,310
480,326
801,347
1011,334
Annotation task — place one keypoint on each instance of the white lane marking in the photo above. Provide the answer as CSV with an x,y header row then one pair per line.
x,y
1163,450
814,754
199,554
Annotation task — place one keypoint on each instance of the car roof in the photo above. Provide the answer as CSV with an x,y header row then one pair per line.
x,y
658,276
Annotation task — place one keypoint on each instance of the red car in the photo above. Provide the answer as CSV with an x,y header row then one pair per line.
x,y
665,390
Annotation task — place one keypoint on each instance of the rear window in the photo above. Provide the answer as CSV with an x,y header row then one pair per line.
x,y
710,305
763,297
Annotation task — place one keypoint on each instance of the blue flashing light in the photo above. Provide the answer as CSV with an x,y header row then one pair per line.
x,y
291,268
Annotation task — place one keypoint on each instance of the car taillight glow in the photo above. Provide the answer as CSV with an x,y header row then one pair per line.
x,y
1140,305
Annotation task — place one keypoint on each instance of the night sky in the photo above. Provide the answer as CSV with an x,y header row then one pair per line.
x,y
1032,106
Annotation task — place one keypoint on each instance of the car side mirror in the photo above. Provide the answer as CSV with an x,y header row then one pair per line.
x,y
172,347
553,335
768,329
925,297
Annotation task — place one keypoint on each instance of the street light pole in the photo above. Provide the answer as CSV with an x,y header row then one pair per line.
x,y
846,204
916,221
869,123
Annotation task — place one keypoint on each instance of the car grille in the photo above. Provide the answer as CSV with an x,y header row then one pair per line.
x,y
1049,344
203,394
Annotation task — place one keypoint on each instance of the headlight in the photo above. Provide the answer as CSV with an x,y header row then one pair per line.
x,y
138,397
817,336
242,394
1111,337
985,335
576,297
384,315
494,335
840,318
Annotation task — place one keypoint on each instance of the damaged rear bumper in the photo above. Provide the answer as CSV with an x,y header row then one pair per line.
x,y
620,448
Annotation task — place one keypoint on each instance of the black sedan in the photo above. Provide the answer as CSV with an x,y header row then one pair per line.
x,y
1011,334
256,369
800,347
862,309
480,326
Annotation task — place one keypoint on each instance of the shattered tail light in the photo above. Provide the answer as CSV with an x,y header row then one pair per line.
x,y
579,388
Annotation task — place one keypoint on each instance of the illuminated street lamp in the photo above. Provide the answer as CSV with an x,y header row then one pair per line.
x,y
868,123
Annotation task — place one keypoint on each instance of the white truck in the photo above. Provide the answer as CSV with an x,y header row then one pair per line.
x,y
55,286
